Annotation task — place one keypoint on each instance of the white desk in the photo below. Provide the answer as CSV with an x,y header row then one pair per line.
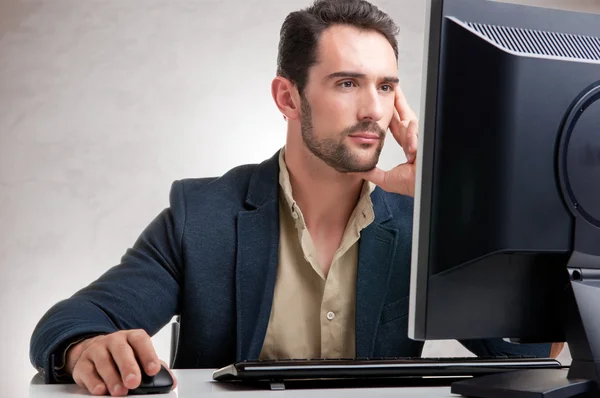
x,y
198,383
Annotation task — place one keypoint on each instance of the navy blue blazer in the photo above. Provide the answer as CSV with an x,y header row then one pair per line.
x,y
211,257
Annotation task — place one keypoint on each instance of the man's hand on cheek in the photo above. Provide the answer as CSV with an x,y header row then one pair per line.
x,y
400,128
404,128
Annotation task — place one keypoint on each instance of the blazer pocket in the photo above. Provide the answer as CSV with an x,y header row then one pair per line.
x,y
394,310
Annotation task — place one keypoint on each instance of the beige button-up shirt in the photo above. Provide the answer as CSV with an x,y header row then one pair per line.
x,y
313,316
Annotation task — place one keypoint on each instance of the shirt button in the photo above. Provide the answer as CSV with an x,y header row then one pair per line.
x,y
295,215
330,315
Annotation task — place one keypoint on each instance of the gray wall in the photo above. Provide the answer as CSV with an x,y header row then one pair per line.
x,y
104,103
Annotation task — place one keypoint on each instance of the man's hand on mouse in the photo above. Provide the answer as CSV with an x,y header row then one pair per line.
x,y
404,128
107,364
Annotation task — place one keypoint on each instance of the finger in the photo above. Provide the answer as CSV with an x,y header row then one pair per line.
x,y
411,141
396,128
86,377
107,370
399,124
407,136
399,129
142,346
403,179
127,365
404,110
172,375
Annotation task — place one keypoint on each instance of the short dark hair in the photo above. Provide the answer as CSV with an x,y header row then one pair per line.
x,y
301,30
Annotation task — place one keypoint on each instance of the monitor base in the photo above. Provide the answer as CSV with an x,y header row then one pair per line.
x,y
535,383
582,327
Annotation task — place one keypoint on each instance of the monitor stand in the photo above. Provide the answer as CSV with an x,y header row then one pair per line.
x,y
582,327
578,182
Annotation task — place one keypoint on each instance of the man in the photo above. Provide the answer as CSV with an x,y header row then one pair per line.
x,y
305,255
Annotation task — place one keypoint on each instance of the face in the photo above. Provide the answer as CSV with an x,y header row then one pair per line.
x,y
348,102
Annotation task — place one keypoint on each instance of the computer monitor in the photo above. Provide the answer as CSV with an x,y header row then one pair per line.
x,y
507,201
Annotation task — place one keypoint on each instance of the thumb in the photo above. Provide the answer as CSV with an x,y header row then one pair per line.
x,y
400,179
377,176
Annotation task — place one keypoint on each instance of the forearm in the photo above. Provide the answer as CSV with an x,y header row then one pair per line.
x,y
66,322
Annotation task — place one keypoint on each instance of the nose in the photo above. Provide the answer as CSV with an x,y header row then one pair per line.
x,y
370,107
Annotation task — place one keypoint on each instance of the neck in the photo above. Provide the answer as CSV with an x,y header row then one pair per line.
x,y
325,196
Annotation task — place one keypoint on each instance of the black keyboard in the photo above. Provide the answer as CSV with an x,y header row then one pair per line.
x,y
281,370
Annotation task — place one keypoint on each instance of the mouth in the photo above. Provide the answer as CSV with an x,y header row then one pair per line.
x,y
365,138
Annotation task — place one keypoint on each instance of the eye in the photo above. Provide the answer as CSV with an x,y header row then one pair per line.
x,y
346,84
387,87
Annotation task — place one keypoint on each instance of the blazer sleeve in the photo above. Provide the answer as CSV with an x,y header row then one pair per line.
x,y
499,347
142,292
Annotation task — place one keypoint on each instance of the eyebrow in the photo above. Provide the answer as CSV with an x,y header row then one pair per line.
x,y
355,75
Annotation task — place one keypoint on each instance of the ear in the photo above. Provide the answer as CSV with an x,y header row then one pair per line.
x,y
286,97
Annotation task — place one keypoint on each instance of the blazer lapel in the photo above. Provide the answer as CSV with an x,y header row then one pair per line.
x,y
376,253
257,256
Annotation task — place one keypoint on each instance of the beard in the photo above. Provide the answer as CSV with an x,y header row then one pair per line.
x,y
335,152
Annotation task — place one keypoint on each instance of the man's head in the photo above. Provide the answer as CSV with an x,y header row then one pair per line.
x,y
337,73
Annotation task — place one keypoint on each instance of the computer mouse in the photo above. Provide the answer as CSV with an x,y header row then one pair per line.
x,y
161,383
